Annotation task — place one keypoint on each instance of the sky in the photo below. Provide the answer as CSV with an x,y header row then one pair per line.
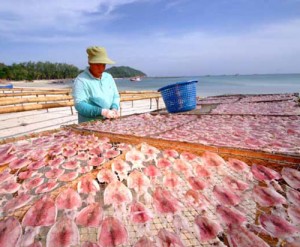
x,y
158,37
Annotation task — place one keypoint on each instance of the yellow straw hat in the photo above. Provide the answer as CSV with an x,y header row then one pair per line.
x,y
97,54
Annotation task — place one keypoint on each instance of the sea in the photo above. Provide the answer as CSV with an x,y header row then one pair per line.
x,y
221,84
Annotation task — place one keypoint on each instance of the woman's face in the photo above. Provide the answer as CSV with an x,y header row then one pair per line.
x,y
97,69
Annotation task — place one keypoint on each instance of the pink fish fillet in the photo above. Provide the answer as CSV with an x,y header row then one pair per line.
x,y
277,226
150,151
7,158
96,161
152,171
68,199
163,163
5,175
294,214
206,229
138,181
37,165
212,159
54,173
116,193
164,202
42,213
225,196
267,196
189,157
10,232
230,215
26,174
90,216
235,184
293,196
63,233
262,173
121,167
111,153
46,187
196,183
17,202
144,242
88,185
183,167
291,176
239,236
10,186
32,183
112,233
89,244
106,176
19,163
170,153
139,213
166,238
135,157
71,164
237,165
69,176
202,171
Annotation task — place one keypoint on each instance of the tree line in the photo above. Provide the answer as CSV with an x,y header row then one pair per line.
x,y
37,71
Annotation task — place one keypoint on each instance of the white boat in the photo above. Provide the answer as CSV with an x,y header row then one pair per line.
x,y
135,79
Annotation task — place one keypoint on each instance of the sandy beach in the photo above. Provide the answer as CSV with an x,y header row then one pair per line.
x,y
27,122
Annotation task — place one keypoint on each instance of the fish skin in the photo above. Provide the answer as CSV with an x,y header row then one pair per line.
x,y
212,159
262,173
225,196
293,196
206,229
112,233
230,216
167,238
90,216
10,232
294,214
68,199
277,226
17,202
291,176
139,213
239,236
164,202
237,165
267,197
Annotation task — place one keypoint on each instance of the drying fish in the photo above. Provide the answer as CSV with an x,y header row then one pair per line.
x,y
171,180
225,196
230,216
294,214
46,187
291,176
276,186
27,174
277,226
84,169
152,171
163,163
63,233
37,154
27,239
166,238
239,236
138,182
112,233
37,165
69,152
237,165
19,163
67,177
88,185
6,149
56,162
196,183
17,202
139,213
111,153
68,199
170,153
197,199
106,176
136,158
97,151
122,168
267,197
117,194
96,161
90,216
54,173
32,183
7,158
164,202
212,159
202,171
183,167
42,213
188,157
71,164
5,175
10,232
9,186
206,229
235,184
144,242
257,229
82,156
293,196
150,151
262,173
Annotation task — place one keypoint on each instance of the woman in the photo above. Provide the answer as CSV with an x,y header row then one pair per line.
x,y
94,91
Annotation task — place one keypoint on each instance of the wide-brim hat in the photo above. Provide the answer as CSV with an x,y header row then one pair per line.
x,y
97,54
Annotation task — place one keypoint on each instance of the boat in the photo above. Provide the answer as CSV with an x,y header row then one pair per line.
x,y
135,79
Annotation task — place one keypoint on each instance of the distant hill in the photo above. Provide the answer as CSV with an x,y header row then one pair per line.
x,y
124,72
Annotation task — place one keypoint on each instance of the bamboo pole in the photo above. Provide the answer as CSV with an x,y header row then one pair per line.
x,y
12,101
32,107
34,93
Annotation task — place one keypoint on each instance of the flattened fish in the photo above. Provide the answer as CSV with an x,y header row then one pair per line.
x,y
206,229
262,173
167,238
10,232
225,196
267,197
291,176
90,216
68,199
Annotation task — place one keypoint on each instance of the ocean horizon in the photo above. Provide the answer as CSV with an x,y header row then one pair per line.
x,y
210,85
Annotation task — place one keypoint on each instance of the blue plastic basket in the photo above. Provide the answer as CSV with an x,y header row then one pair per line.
x,y
180,96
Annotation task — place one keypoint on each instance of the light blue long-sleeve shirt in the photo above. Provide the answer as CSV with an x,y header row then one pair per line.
x,y
91,95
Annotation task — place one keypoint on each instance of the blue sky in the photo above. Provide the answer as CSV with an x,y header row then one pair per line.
x,y
159,37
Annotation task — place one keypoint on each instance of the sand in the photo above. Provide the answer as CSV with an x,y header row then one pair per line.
x,y
27,122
